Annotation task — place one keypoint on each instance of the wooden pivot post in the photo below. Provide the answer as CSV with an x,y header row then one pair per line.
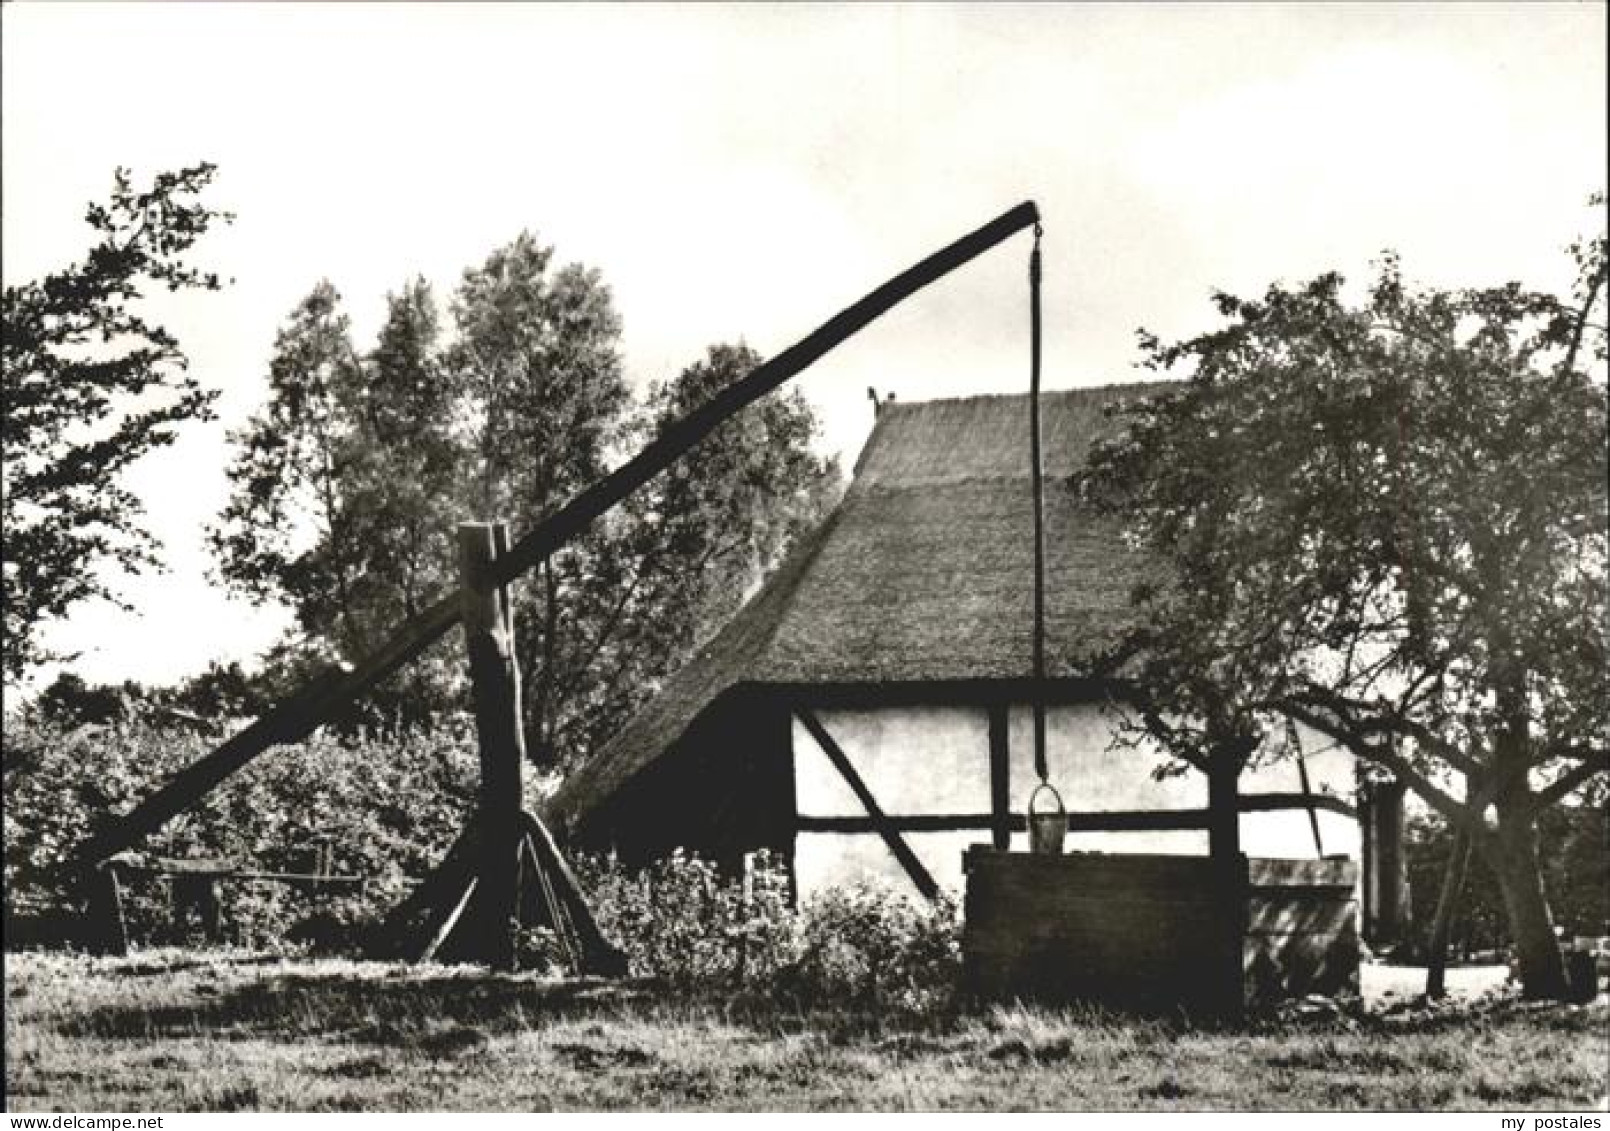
x,y
504,870
495,684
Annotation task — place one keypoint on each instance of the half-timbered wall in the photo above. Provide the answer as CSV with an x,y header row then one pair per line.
x,y
928,766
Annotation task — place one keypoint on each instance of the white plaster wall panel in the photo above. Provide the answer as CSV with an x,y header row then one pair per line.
x,y
915,760
819,789
1088,771
1288,835
824,860
936,760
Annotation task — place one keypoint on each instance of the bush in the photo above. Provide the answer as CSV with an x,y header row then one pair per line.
x,y
867,946
389,805
682,921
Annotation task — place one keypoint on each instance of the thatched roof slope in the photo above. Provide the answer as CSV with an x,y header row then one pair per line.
x,y
923,573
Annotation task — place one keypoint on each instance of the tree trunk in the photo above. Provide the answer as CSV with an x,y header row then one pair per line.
x,y
1520,883
1229,866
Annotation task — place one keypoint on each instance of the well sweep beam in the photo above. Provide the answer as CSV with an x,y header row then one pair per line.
x,y
295,717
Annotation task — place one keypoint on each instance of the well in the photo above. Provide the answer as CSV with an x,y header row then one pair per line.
x,y
1157,934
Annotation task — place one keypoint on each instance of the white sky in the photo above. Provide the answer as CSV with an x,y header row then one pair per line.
x,y
746,172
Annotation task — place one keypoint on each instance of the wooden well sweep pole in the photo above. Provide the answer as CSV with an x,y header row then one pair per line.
x,y
495,684
294,718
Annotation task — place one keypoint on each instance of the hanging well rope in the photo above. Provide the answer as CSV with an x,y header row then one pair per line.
x,y
1037,477
1046,828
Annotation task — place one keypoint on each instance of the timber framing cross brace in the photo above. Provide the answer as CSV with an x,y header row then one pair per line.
x,y
482,607
880,820
1001,822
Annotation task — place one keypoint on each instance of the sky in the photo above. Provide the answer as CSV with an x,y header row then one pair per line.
x,y
746,172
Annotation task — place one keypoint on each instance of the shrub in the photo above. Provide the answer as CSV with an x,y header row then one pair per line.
x,y
681,920
865,946
868,946
389,805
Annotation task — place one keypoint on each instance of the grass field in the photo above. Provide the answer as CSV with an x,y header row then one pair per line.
x,y
170,1031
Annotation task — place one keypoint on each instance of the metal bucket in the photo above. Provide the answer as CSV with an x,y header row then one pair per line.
x,y
1047,829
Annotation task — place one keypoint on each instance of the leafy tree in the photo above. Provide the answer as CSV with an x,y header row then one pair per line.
x,y
725,515
350,481
91,385
676,560
344,483
537,358
1386,521
287,475
410,464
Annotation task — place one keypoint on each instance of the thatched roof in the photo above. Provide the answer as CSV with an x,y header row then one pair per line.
x,y
923,573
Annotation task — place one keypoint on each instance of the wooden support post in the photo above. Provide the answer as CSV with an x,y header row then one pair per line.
x,y
495,684
108,927
1453,882
598,954
1000,781
443,921
446,881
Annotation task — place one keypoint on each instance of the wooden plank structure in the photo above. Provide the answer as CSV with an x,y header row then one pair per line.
x,y
472,904
193,885
1154,933
1302,934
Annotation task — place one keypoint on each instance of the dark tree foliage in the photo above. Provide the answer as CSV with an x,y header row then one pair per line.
x,y
675,561
91,385
220,693
344,483
723,516
349,483
1387,521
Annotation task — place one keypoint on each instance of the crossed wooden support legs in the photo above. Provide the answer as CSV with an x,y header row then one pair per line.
x,y
449,916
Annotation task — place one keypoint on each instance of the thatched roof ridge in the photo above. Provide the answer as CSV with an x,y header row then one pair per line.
x,y
923,573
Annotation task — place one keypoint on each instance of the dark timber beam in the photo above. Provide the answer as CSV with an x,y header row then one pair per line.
x,y
296,717
1266,802
1099,821
879,820
1000,778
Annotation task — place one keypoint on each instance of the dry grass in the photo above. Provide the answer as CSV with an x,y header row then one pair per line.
x,y
169,1031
